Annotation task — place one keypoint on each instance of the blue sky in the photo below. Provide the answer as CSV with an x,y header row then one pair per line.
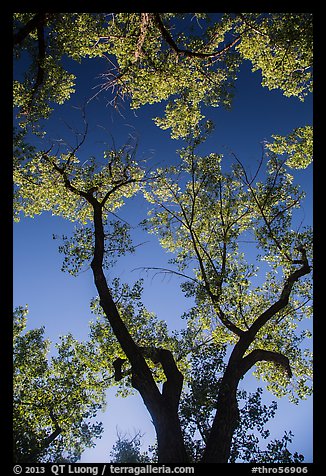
x,y
61,302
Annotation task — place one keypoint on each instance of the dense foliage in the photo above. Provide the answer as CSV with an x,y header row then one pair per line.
x,y
55,399
187,60
234,236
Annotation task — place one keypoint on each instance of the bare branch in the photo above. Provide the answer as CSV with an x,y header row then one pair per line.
x,y
261,209
166,271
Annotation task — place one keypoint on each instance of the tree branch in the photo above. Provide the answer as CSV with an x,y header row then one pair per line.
x,y
284,297
119,184
267,355
194,54
87,195
117,365
37,20
186,222
172,387
167,271
32,457
56,432
261,207
145,20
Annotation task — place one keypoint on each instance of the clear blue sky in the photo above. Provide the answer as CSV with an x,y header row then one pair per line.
x,y
61,302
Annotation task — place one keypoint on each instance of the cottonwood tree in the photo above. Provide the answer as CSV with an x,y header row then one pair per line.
x,y
201,214
55,400
186,60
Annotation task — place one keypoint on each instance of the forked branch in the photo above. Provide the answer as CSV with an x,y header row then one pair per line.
x,y
258,355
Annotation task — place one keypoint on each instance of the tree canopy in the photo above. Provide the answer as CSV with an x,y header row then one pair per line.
x,y
55,400
187,60
234,235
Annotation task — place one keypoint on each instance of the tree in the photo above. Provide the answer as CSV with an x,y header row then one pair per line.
x,y
55,400
186,59
197,409
202,223
201,212
127,450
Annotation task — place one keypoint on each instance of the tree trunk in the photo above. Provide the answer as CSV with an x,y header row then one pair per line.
x,y
161,406
171,448
226,420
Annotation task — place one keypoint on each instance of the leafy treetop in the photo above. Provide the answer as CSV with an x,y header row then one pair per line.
x,y
186,60
55,399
